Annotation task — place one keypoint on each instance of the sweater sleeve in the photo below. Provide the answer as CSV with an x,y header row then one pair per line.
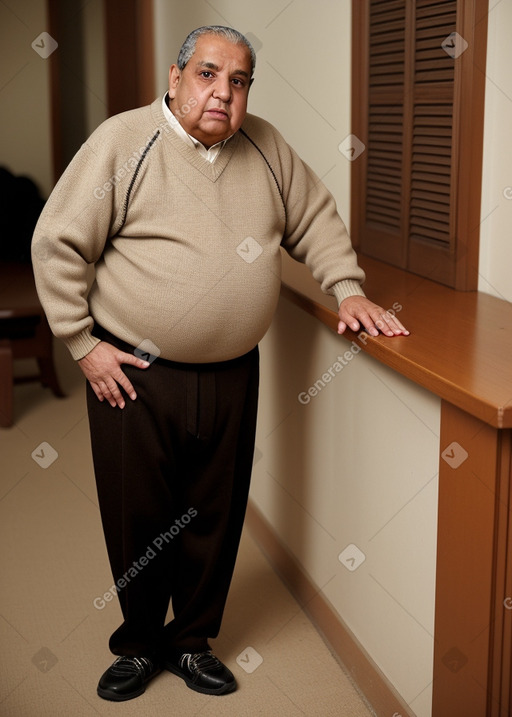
x,y
314,234
81,213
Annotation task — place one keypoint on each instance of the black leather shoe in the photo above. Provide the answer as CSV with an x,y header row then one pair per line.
x,y
127,678
203,672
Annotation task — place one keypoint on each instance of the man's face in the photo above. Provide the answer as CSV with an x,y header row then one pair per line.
x,y
217,80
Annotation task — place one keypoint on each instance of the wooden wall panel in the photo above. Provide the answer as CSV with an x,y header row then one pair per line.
x,y
473,625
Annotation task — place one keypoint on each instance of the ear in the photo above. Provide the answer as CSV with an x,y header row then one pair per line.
x,y
174,78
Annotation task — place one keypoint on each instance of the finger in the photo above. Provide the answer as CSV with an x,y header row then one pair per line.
x,y
381,323
368,324
377,321
109,392
123,380
348,320
390,325
117,396
131,359
400,326
97,391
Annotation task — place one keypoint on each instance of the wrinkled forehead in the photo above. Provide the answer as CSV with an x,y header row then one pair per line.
x,y
216,52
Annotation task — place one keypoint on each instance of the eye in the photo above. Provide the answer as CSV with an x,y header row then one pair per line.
x,y
237,82
206,74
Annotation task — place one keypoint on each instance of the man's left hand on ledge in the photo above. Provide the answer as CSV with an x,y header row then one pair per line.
x,y
358,312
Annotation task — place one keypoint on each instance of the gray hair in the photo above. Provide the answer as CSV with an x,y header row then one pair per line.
x,y
189,46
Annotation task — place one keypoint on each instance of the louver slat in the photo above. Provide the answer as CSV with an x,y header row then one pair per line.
x,y
385,120
384,163
427,180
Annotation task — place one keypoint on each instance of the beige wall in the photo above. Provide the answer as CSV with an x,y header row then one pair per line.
x,y
495,232
94,65
356,466
24,82
25,130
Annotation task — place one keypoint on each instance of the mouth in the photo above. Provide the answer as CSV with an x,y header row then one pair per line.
x,y
217,113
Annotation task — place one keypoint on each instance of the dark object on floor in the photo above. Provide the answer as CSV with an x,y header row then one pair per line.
x,y
24,330
20,207
24,333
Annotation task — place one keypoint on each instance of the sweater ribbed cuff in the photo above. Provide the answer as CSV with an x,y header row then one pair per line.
x,y
81,344
347,287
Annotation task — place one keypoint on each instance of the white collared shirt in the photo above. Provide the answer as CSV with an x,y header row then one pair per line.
x,y
209,154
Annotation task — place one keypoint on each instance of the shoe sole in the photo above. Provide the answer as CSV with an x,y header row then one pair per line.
x,y
114,697
230,687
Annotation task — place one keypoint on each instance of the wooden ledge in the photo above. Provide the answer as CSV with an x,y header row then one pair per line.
x,y
460,347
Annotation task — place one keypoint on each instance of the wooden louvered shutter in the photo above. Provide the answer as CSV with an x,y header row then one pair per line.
x,y
415,85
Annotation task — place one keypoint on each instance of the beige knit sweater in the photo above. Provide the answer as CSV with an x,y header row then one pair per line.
x,y
186,252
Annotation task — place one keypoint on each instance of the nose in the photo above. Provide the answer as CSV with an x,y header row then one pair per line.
x,y
222,89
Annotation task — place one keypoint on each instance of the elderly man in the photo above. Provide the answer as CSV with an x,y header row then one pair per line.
x,y
182,207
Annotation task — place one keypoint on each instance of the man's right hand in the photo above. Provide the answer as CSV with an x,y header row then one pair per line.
x,y
102,368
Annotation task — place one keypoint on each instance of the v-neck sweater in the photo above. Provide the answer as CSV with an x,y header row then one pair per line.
x,y
186,253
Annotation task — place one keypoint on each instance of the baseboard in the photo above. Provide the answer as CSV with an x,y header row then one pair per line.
x,y
366,675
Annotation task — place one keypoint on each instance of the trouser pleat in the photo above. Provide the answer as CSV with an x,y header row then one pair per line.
x,y
173,473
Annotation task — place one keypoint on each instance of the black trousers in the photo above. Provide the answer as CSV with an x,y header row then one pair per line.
x,y
173,472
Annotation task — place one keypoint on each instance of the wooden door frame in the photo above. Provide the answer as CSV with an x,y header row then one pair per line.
x,y
129,41
129,64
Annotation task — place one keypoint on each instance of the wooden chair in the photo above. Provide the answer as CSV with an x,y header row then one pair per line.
x,y
24,333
